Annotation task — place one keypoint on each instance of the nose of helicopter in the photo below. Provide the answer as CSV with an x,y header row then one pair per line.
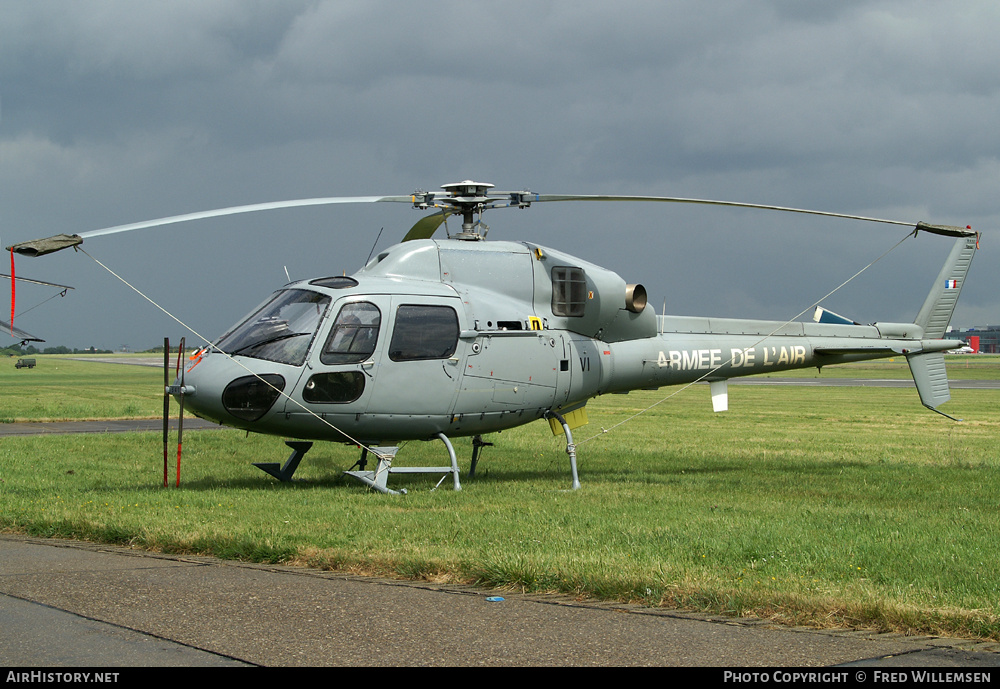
x,y
217,388
188,384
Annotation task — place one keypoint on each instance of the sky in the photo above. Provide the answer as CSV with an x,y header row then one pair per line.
x,y
114,112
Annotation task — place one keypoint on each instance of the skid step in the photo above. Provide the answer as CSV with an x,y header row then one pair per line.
x,y
379,478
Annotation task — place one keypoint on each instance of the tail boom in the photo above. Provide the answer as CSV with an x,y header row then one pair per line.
x,y
689,349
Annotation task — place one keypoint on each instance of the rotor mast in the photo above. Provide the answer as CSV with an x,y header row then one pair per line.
x,y
471,198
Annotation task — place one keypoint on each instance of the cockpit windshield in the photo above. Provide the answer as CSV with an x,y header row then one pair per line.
x,y
280,330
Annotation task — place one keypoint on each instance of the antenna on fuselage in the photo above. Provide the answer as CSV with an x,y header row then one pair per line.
x,y
373,246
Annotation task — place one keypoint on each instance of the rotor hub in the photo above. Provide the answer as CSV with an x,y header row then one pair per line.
x,y
468,199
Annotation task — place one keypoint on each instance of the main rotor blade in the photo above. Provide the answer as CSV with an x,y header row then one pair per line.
x,y
707,202
36,282
252,208
49,245
427,226
18,333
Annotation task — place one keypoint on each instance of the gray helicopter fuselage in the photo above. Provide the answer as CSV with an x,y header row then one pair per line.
x,y
470,337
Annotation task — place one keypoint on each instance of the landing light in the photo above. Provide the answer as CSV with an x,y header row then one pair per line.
x,y
250,397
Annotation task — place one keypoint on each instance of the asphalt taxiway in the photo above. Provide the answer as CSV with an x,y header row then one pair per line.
x,y
72,604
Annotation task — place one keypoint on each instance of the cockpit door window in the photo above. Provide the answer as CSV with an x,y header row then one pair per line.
x,y
424,332
354,334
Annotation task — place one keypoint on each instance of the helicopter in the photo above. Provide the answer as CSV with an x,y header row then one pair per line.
x,y
459,337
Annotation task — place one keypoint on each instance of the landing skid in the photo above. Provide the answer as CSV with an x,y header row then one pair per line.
x,y
477,444
570,446
379,478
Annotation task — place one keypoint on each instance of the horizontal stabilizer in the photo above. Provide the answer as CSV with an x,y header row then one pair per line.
x,y
821,315
875,348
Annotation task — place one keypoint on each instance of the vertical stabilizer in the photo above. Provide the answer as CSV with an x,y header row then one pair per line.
x,y
935,314
928,368
931,378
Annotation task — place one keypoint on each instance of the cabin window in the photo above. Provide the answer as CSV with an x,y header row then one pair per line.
x,y
354,334
337,387
424,332
336,282
569,291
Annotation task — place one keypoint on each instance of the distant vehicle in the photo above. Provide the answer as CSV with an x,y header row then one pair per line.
x,y
964,349
25,363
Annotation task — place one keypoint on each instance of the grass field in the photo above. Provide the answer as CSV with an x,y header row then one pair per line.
x,y
60,388
821,506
